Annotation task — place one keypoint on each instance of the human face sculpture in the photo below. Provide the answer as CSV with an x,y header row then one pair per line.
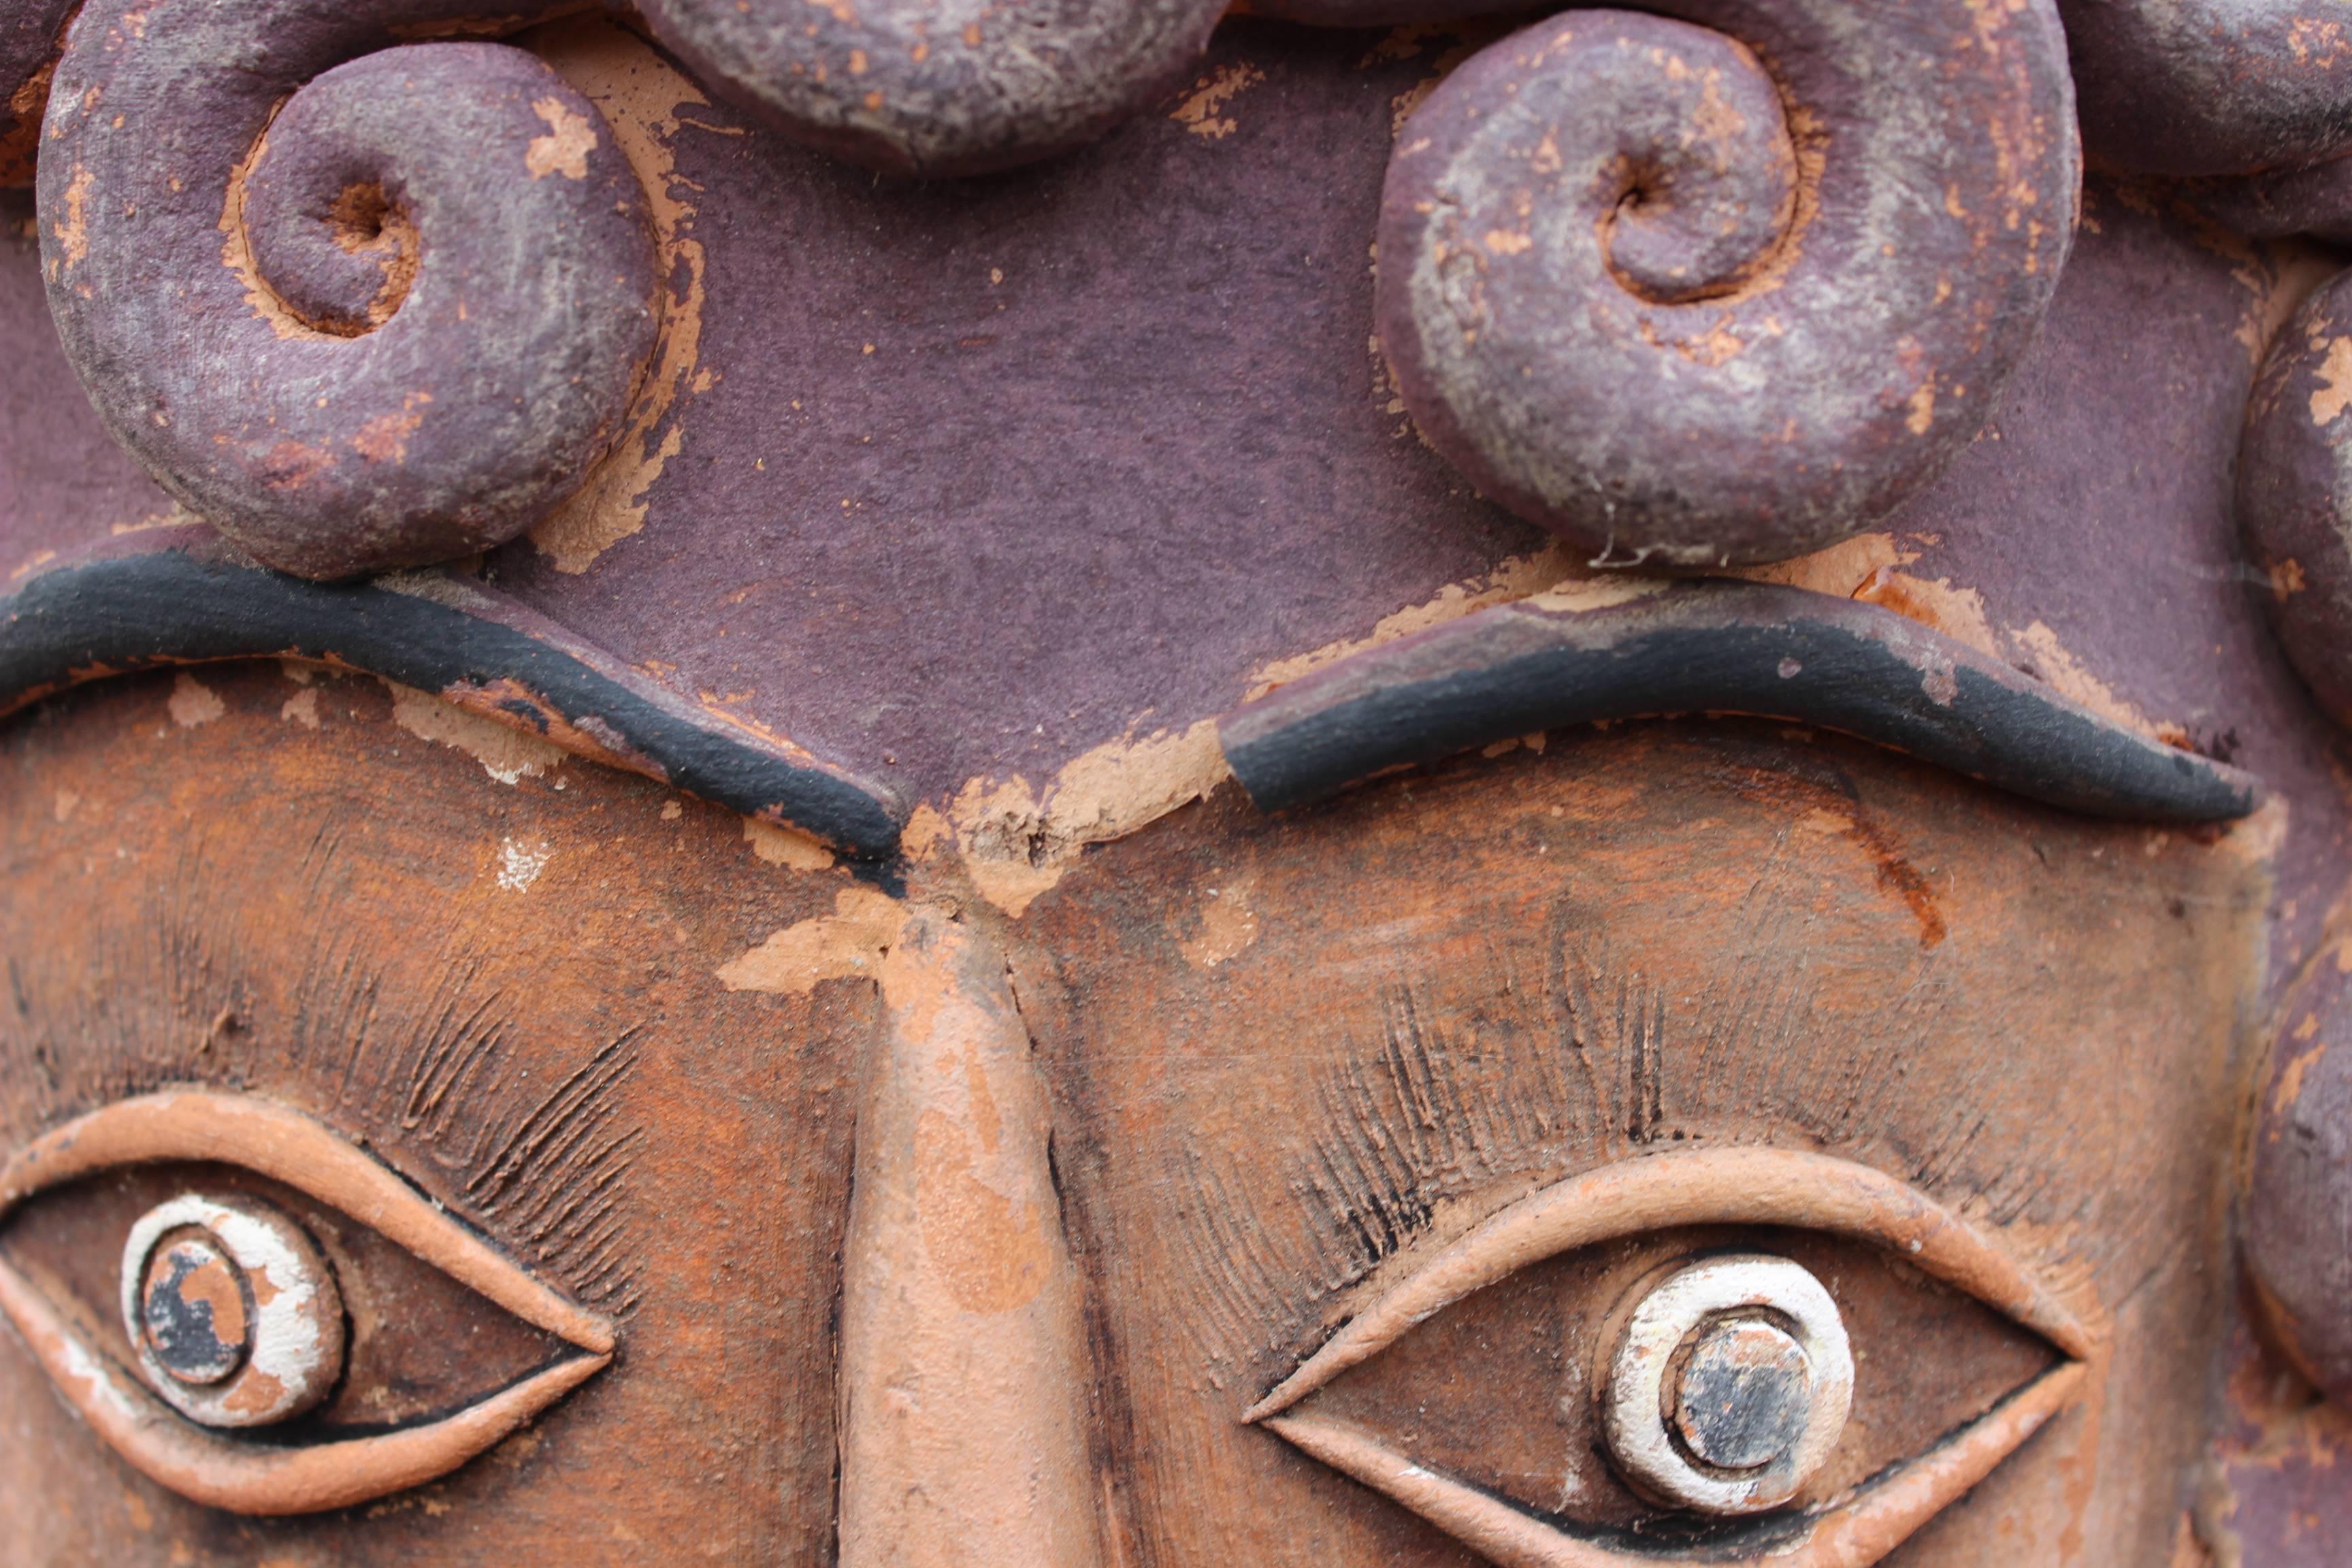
x,y
904,871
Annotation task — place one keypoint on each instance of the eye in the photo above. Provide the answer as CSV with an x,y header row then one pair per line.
x,y
1720,1356
1729,1385
233,1314
240,1304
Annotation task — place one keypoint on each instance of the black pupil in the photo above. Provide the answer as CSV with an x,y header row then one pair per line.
x,y
184,1303
1744,1400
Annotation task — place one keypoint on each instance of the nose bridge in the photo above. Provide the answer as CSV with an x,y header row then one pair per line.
x,y
963,1374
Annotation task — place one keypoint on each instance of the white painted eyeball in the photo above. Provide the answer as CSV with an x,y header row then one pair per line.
x,y
1730,1385
234,1312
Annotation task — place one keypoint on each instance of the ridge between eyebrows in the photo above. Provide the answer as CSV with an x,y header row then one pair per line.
x,y
1746,648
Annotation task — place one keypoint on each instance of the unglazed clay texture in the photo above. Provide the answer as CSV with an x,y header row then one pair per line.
x,y
1084,784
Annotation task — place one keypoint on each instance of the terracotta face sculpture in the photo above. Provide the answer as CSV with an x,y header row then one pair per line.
x,y
1094,784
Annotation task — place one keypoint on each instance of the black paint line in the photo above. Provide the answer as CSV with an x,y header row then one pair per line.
x,y
109,616
1715,648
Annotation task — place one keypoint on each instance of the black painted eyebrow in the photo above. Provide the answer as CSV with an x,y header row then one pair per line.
x,y
187,604
1715,648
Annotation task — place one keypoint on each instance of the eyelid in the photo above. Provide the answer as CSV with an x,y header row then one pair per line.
x,y
1727,1186
1714,1186
287,1146
246,1478
1859,1533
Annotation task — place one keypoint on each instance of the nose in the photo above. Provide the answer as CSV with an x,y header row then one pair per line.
x,y
963,1372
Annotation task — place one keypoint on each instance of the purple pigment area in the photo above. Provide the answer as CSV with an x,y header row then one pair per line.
x,y
1090,497
64,483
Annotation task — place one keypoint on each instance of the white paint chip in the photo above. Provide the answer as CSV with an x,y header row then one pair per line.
x,y
192,702
507,756
302,708
519,863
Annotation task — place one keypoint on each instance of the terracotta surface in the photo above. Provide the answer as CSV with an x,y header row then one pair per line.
x,y
352,920
1395,1016
1233,1081
960,1146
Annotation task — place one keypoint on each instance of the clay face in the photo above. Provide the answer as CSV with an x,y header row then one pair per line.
x,y
1073,784
1230,1085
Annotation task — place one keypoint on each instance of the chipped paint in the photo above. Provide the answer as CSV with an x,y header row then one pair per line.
x,y
1958,613
2335,392
564,149
1922,418
848,943
508,755
1582,594
72,231
2060,668
1228,925
1404,43
385,439
1516,578
2277,278
1198,113
641,97
2289,1088
520,862
993,1252
1868,567
294,1343
1841,569
1017,842
192,702
302,708
782,846
236,255
1555,579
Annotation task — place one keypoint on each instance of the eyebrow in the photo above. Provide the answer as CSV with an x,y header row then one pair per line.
x,y
1713,648
1666,649
188,603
